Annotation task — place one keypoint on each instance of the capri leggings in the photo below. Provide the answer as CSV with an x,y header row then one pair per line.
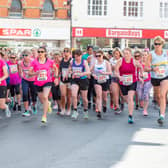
x,y
143,90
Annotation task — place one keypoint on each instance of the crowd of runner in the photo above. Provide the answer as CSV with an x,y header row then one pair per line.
x,y
62,80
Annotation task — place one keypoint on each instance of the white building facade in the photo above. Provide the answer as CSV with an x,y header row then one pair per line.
x,y
130,21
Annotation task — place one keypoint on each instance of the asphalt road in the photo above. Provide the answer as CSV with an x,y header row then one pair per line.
x,y
64,143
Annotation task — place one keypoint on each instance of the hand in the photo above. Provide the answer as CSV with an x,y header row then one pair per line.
x,y
94,76
141,80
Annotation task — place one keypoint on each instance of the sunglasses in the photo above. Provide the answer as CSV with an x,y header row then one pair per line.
x,y
136,56
12,57
98,55
41,51
157,44
24,55
66,51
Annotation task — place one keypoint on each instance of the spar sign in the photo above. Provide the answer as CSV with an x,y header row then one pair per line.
x,y
15,32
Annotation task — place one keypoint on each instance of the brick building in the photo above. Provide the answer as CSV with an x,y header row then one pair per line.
x,y
28,23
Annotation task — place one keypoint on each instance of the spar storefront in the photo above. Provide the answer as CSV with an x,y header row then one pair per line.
x,y
23,33
138,38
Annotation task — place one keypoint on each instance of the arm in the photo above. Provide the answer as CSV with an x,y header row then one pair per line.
x,y
56,71
148,63
87,69
108,70
117,67
5,72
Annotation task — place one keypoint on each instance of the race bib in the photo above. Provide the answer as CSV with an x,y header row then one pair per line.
x,y
26,71
42,75
127,79
101,79
145,75
161,73
13,69
64,72
77,71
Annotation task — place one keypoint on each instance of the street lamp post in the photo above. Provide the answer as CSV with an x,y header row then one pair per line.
x,y
71,24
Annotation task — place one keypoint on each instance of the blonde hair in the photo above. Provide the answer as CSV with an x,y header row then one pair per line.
x,y
159,38
128,49
119,50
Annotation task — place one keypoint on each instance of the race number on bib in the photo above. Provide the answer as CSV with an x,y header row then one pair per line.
x,y
127,80
101,79
64,72
161,72
42,75
77,71
145,75
13,69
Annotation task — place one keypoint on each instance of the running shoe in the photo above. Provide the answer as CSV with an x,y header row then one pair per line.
x,y
122,107
49,107
55,107
62,112
11,105
44,119
26,114
68,113
104,109
117,111
111,105
99,115
145,113
160,120
19,108
34,110
130,120
86,116
89,105
137,107
7,112
75,115
59,111
14,107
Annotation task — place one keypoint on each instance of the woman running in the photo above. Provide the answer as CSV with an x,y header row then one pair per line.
x,y
65,85
114,86
15,81
42,70
100,71
3,86
144,84
79,69
28,87
126,72
157,63
56,95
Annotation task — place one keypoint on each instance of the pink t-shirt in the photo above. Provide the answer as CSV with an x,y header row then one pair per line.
x,y
44,70
26,69
2,64
13,73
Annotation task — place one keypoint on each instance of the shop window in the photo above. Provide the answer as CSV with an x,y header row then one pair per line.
x,y
97,7
48,10
15,9
133,8
164,9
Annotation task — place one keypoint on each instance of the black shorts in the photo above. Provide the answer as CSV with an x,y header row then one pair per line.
x,y
82,83
105,86
56,94
156,82
114,80
126,89
15,90
40,88
3,92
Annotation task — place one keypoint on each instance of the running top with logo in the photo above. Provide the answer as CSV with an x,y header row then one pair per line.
x,y
44,72
26,69
13,73
128,72
78,69
64,66
2,64
160,61
98,69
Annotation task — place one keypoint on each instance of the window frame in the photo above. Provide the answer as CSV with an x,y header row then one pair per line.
x,y
103,6
129,9
162,14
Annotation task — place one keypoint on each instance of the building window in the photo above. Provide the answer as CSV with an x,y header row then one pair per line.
x,y
48,10
133,8
164,9
15,9
97,7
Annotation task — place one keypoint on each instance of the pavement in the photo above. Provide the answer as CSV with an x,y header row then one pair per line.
x,y
63,143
